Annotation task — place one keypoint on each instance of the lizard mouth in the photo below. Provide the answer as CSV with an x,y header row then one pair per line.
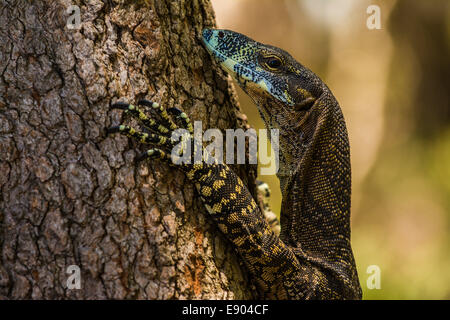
x,y
226,61
224,52
207,34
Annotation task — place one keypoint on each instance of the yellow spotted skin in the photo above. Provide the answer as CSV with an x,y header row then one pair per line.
x,y
145,120
146,138
231,205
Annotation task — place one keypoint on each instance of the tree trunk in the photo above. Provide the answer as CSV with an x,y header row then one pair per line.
x,y
70,195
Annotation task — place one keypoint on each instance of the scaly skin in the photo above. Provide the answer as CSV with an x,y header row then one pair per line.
x,y
312,258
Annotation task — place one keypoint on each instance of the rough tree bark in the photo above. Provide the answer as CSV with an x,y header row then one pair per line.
x,y
70,195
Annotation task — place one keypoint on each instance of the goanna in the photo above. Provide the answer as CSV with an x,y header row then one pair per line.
x,y
312,257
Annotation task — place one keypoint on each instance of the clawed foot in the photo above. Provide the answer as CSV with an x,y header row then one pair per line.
x,y
160,130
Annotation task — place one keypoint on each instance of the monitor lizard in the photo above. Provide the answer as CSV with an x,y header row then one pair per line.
x,y
312,257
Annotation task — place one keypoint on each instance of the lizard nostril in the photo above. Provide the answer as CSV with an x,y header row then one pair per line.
x,y
221,34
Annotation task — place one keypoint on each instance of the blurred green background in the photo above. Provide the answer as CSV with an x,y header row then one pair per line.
x,y
393,86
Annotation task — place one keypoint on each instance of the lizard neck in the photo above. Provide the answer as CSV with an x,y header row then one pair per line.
x,y
315,176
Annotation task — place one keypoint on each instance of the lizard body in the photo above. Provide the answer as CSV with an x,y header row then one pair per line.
x,y
312,257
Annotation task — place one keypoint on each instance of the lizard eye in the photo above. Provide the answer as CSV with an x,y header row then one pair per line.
x,y
273,63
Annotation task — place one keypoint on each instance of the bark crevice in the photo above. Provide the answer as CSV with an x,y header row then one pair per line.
x,y
70,195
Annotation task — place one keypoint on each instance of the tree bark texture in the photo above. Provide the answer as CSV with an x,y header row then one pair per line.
x,y
70,195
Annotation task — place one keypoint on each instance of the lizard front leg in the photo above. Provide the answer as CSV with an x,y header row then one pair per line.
x,y
273,265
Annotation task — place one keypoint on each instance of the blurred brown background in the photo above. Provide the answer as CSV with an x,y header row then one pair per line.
x,y
393,86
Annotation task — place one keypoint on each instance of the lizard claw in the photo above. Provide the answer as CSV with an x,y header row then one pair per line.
x,y
120,105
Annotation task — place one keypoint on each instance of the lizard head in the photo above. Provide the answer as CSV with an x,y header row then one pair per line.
x,y
288,95
263,71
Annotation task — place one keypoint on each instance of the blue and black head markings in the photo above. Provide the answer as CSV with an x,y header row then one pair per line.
x,y
247,60
207,34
